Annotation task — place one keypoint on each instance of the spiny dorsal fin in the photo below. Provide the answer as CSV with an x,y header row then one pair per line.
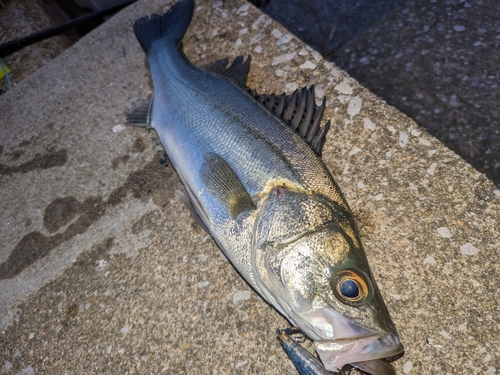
x,y
141,116
300,112
238,70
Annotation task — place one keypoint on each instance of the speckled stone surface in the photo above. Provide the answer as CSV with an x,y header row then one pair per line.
x,y
102,269
436,61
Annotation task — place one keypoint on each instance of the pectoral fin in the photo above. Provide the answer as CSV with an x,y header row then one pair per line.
x,y
224,185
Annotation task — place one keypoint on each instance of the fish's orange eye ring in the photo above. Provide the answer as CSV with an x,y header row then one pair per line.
x,y
351,287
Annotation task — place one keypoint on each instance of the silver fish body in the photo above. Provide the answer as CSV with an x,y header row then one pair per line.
x,y
269,202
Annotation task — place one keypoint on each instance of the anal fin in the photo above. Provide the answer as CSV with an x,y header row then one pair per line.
x,y
183,197
224,185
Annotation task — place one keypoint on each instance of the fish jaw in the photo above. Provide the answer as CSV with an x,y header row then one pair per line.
x,y
339,340
336,353
375,367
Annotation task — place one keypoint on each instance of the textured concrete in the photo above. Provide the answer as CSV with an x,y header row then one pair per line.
x,y
446,53
328,25
102,269
436,61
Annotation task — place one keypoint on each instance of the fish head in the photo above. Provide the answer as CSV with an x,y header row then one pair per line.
x,y
310,265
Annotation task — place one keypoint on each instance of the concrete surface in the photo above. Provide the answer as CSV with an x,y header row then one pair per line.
x,y
328,25
436,61
446,53
102,269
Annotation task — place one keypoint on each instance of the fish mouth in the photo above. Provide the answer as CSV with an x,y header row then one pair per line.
x,y
363,352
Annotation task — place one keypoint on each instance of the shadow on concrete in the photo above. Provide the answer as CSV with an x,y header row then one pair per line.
x,y
436,61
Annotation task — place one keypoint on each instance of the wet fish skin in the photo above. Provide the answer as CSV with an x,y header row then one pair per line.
x,y
266,198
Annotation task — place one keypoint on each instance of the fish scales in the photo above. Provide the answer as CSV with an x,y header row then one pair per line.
x,y
267,151
262,192
246,126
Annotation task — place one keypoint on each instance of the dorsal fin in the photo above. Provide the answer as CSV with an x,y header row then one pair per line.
x,y
300,112
238,70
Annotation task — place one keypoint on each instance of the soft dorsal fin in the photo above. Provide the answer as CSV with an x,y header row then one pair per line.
x,y
141,116
300,112
237,71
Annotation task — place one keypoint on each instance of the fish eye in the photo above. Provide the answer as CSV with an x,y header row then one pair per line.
x,y
350,287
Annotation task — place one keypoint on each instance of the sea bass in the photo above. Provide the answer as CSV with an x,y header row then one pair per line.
x,y
253,178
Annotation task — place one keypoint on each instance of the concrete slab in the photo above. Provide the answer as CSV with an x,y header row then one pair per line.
x,y
103,270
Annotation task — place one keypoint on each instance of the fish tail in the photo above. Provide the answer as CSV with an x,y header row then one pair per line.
x,y
171,26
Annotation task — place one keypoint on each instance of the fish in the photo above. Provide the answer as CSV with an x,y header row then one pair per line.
x,y
252,176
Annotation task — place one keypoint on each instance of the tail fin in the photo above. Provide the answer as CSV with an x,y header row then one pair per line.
x,y
171,25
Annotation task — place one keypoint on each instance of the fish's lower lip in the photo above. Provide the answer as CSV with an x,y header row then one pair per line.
x,y
363,349
375,367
